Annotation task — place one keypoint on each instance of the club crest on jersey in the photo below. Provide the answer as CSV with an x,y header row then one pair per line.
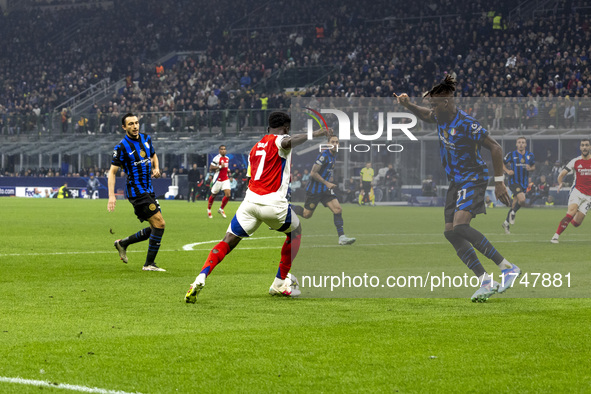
x,y
152,207
522,160
142,153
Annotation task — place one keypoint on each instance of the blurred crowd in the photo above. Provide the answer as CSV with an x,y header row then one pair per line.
x,y
371,53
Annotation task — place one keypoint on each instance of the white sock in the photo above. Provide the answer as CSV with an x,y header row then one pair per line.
x,y
278,282
200,279
505,264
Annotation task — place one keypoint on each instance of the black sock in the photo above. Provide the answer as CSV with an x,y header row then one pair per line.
x,y
154,245
479,241
509,214
338,222
298,210
140,236
517,206
465,252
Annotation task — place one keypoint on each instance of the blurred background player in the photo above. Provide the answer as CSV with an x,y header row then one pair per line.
x,y
135,155
221,180
517,165
265,202
193,176
92,186
366,194
579,200
460,139
320,189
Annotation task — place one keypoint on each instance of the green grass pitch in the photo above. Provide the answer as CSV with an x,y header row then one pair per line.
x,y
73,313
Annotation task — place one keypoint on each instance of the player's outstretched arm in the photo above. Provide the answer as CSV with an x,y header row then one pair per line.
x,y
423,113
497,158
111,184
298,139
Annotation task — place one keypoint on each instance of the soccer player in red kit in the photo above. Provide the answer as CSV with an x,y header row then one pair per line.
x,y
265,202
221,180
579,200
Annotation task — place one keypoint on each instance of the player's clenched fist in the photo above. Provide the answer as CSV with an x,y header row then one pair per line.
x,y
403,99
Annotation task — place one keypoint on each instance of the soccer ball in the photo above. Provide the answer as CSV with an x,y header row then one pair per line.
x,y
295,284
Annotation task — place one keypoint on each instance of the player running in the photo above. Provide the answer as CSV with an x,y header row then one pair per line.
x,y
579,200
517,165
320,189
265,202
221,181
135,155
460,139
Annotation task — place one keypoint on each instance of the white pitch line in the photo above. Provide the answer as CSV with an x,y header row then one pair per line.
x,y
73,387
189,247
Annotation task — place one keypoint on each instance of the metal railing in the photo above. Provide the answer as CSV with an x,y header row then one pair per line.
x,y
548,116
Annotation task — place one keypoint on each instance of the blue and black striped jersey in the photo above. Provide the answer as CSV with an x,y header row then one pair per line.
x,y
459,146
517,162
134,157
326,161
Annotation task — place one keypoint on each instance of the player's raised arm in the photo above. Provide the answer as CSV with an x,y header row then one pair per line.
x,y
293,141
423,113
111,184
497,158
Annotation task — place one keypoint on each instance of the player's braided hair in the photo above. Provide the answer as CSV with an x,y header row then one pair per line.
x,y
278,119
445,88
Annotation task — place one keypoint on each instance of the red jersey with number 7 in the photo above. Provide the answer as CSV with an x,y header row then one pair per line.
x,y
270,171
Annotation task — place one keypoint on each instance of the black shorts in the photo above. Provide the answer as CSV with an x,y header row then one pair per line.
x,y
516,188
312,200
145,206
467,196
366,186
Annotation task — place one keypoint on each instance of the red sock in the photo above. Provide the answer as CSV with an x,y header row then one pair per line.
x,y
216,255
210,201
564,224
224,201
290,249
575,223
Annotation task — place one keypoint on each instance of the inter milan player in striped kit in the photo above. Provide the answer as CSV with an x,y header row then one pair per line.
x,y
320,189
517,165
220,182
264,202
460,139
579,199
135,155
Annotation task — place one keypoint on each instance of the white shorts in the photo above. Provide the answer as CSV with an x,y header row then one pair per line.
x,y
250,216
582,200
217,186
